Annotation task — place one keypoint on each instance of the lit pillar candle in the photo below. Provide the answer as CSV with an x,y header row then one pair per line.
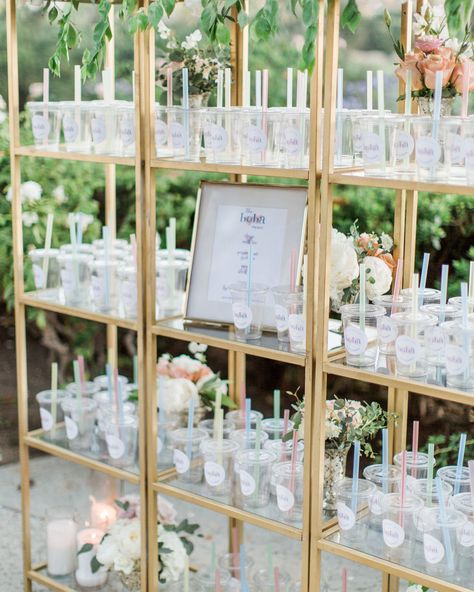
x,y
84,575
102,515
61,546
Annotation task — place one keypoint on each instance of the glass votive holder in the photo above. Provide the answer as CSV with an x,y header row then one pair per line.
x,y
104,280
187,456
417,465
79,417
48,288
103,121
293,138
88,389
398,526
410,347
430,161
275,427
254,471
452,138
353,526
460,483
61,531
343,146
208,426
76,126
259,136
207,580
359,330
127,277
402,146
219,465
435,340
171,275
375,145
289,486
440,541
45,124
248,306
126,128
295,307
121,435
457,301
463,502
265,582
230,563
248,440
386,329
185,130
385,482
280,294
44,400
75,278
460,354
221,135
237,417
430,295
283,450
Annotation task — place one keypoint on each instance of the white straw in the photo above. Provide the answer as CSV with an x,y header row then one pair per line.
x,y
471,280
380,92
248,86
340,89
444,292
370,94
47,247
289,88
77,84
107,84
228,82
220,84
258,88
437,103
305,89
46,85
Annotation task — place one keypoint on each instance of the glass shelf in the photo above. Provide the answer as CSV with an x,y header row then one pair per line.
x,y
40,575
63,154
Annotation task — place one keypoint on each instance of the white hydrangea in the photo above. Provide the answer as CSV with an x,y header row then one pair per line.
x,y
377,270
387,242
177,394
29,218
344,266
59,194
192,40
163,30
30,191
120,549
171,564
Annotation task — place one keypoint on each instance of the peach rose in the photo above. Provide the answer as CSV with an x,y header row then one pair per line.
x,y
428,43
457,79
441,61
204,371
411,64
387,259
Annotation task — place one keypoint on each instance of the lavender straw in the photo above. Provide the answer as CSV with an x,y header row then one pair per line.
x,y
355,475
459,465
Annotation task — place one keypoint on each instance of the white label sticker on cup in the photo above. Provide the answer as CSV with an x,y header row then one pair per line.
x,y
281,317
178,135
393,533
375,503
214,473
159,445
407,349
345,516
465,534
247,483
457,148
98,130
428,151
435,339
127,131
181,461
285,498
38,275
129,295
46,419
40,127
355,340
70,129
357,142
161,132
469,151
115,446
403,144
456,360
372,147
67,281
386,330
292,140
71,428
297,327
256,139
242,315
216,137
433,549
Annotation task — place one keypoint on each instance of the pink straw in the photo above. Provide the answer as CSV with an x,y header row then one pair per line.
x,y
293,461
265,90
276,575
169,86
235,548
466,78
403,485
82,373
414,447
397,285
344,579
218,580
286,420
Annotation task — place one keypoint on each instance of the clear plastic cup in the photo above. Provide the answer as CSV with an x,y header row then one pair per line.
x,y
417,466
289,487
463,502
343,146
103,382
435,340
45,124
254,471
283,450
221,135
468,146
440,541
163,146
181,254
89,389
171,275
163,445
219,465
107,407
208,426
247,441
460,354
104,127
359,331
402,146
118,244
275,427
248,308
430,295
259,133
453,141
459,484
48,288
420,487
384,483
126,128
376,132
43,399
79,417
457,301
128,290
410,346
429,153
237,417
386,329
280,294
353,526
398,526
295,307
185,130
293,138
230,563
357,125
105,288
207,580
76,127
265,582
83,249
121,435
75,278
187,456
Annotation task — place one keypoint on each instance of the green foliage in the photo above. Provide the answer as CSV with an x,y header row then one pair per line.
x,y
446,448
458,14
351,16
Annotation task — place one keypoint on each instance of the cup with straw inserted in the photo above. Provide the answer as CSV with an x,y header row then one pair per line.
x,y
459,350
187,456
410,345
349,501
121,436
238,416
45,124
386,480
457,477
398,525
265,581
45,400
105,285
218,455
79,417
417,465
75,278
248,306
47,286
126,128
76,126
360,332
254,471
464,502
296,312
289,484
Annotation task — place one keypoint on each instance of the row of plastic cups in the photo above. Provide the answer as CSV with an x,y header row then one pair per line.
x,y
105,128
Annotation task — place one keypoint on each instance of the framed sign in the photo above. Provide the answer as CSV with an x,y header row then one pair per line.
x,y
230,217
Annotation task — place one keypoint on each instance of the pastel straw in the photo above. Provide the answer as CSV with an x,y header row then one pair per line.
x,y
355,475
54,392
265,90
289,88
460,462
47,248
362,308
82,372
437,103
466,75
276,579
403,485
228,84
220,87
119,386
385,459
185,75
248,86
248,412
258,88
77,84
46,85
414,447
380,92
414,296
370,84
408,84
344,579
442,511
397,285
276,404
169,87
444,292
242,399
110,389
423,277
190,426
286,421
429,478
471,479
218,580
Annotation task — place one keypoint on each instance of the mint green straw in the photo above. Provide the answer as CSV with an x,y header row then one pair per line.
x,y
429,477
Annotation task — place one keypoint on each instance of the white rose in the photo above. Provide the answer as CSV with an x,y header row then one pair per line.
x,y
129,543
107,551
177,393
172,563
124,564
187,364
219,387
344,266
377,270
387,242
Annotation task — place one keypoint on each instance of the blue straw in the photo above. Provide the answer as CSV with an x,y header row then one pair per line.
x,y
385,460
120,400
355,475
444,292
243,575
444,528
110,388
462,450
248,411
190,427
249,279
424,274
186,108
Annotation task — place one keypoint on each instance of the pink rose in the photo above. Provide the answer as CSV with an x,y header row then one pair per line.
x,y
428,43
411,65
177,372
166,511
437,62
457,79
204,371
163,367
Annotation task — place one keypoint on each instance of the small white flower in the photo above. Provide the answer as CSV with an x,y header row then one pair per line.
x,y
196,348
59,194
332,430
86,220
387,242
172,563
163,30
192,40
29,218
31,191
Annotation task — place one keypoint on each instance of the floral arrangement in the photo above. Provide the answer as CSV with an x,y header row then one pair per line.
x,y
347,252
182,378
202,60
417,588
434,51
120,548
